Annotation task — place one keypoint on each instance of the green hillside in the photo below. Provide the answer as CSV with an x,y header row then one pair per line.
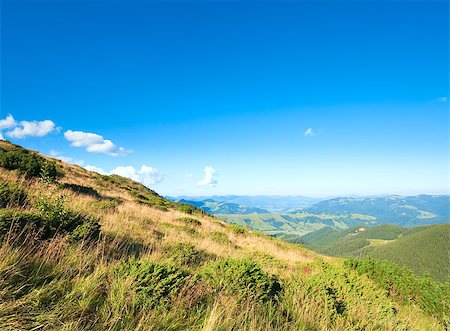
x,y
84,251
426,251
423,249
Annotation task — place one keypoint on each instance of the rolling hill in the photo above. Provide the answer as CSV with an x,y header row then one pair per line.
x,y
423,249
84,251
295,224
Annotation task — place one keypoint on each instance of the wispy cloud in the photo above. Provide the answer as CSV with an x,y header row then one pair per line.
x,y
309,133
146,175
442,99
210,177
29,128
93,143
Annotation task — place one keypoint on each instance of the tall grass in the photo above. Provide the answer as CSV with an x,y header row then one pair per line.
x,y
146,271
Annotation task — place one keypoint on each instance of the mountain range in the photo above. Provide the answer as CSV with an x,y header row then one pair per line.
x,y
337,213
265,203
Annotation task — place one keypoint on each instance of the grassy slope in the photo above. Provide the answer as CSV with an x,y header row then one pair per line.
x,y
155,267
423,249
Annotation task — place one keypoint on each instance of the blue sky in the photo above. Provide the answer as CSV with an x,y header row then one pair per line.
x,y
203,98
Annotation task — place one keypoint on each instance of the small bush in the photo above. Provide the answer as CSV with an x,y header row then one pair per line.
x,y
220,237
80,189
243,278
28,163
51,219
59,219
155,284
12,196
185,254
189,221
88,228
185,208
189,209
236,229
45,226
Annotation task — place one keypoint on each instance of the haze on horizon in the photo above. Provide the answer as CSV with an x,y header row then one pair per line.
x,y
298,98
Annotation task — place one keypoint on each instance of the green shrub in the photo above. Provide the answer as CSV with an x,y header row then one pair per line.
x,y
189,209
401,284
186,254
243,278
12,196
28,163
87,228
52,218
189,221
220,237
238,229
154,283
45,226
59,219
185,208
80,189
190,231
341,297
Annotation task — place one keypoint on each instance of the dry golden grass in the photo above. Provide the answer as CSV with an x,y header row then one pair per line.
x,y
96,297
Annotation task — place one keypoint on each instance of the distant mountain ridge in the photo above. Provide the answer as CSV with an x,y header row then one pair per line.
x,y
269,203
337,213
393,209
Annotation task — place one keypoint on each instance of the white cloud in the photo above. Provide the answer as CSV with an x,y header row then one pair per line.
x,y
146,175
443,99
1,137
8,122
126,171
150,176
309,133
67,159
93,142
209,178
31,129
95,169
